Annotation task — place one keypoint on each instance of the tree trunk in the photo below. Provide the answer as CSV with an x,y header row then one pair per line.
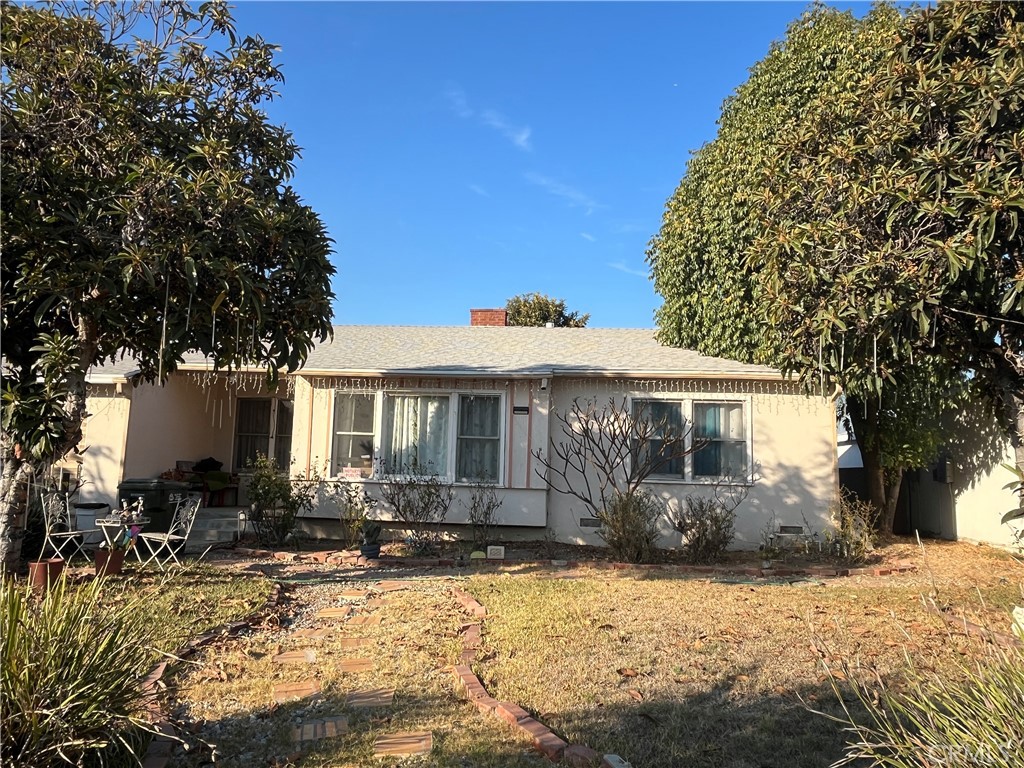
x,y
13,483
883,482
19,465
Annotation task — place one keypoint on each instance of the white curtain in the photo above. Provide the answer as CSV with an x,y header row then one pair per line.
x,y
479,438
418,434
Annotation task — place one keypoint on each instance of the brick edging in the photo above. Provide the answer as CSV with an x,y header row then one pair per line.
x,y
159,752
549,744
331,557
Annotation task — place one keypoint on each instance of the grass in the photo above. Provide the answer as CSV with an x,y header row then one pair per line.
x,y
186,602
667,671
228,693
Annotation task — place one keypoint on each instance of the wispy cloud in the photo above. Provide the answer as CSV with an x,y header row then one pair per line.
x,y
479,190
628,270
457,98
588,237
519,135
575,197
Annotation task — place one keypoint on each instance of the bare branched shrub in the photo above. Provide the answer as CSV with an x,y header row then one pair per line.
x,y
854,522
483,513
609,451
420,498
707,523
606,454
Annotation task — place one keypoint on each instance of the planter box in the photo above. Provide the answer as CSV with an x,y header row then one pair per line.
x,y
109,562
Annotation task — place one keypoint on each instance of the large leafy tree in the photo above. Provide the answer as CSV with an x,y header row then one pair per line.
x,y
146,213
892,244
716,298
539,309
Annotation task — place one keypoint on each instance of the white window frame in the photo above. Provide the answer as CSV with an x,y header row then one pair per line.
x,y
374,450
454,398
687,399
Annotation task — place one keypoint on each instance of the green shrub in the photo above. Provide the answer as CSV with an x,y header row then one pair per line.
x,y
354,505
707,527
629,526
968,716
277,500
70,677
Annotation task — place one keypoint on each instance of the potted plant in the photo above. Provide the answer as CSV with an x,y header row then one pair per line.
x,y
109,557
370,544
44,573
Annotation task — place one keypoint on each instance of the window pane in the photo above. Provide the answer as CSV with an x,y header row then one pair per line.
x,y
479,416
253,417
722,424
353,413
666,416
252,430
417,439
353,433
283,436
479,448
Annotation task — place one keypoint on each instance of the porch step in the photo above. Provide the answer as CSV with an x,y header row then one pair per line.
x,y
213,526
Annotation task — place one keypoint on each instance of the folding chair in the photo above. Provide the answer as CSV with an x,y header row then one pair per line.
x,y
60,526
163,547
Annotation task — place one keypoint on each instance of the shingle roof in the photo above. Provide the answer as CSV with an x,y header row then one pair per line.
x,y
498,350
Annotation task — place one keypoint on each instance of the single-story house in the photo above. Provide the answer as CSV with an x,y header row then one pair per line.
x,y
474,401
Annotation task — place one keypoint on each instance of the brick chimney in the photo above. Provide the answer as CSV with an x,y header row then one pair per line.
x,y
488,317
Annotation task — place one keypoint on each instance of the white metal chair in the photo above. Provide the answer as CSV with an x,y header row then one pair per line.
x,y
163,547
59,524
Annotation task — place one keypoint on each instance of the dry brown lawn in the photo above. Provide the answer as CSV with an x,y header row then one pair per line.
x,y
669,671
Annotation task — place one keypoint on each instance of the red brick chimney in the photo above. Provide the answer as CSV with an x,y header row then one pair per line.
x,y
488,317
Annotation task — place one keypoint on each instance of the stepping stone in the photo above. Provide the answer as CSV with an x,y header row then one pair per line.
x,y
335,613
365,621
314,730
377,602
353,642
410,743
356,665
312,633
391,586
377,697
354,594
286,692
304,656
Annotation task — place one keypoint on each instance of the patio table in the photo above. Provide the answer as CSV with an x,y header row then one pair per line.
x,y
114,528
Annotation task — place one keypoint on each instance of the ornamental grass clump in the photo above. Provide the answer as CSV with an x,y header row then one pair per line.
x,y
967,716
70,677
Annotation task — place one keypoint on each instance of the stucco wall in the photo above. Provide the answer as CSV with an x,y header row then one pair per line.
x,y
980,505
185,420
523,494
104,433
793,443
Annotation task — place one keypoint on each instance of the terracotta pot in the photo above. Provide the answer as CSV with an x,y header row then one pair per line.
x,y
109,562
44,573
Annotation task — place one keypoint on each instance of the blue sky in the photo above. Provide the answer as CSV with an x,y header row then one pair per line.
x,y
461,153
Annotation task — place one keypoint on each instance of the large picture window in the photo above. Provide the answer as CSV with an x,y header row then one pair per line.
x,y
353,434
455,435
416,434
263,425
